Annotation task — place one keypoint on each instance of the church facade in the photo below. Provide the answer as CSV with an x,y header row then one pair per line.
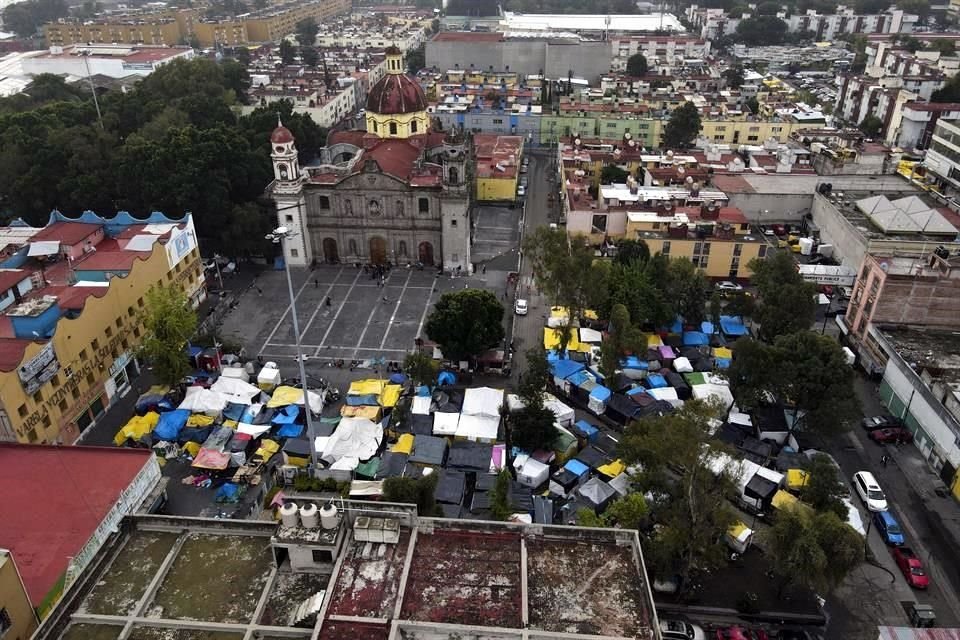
x,y
397,192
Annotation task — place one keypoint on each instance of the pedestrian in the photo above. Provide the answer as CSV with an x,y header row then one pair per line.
x,y
316,283
328,301
260,359
385,299
883,460
484,270
259,291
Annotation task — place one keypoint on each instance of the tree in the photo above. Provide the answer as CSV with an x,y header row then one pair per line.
x,y
589,518
920,7
688,525
824,489
911,44
170,322
417,59
419,491
871,126
734,76
761,31
532,428
768,9
500,507
421,368
287,52
753,373
637,65
628,512
949,92
689,288
945,47
466,323
741,304
309,56
716,307
630,251
871,6
306,32
611,174
621,338
26,18
535,378
683,126
816,551
787,303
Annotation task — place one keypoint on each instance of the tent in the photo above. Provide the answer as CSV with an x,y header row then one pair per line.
x,y
593,457
563,481
532,473
656,381
695,338
682,365
598,399
663,393
590,336
482,401
585,430
370,386
797,479
284,395
498,457
446,378
712,391
391,465
296,452
739,536
707,328
653,341
355,438
542,510
429,450
612,469
621,409
445,424
665,354
620,484
404,444
368,469
564,414
451,485
633,362
370,412
597,493
255,430
552,339
577,468
478,428
470,456
267,449
723,352
563,369
200,400
732,326
397,378
421,405
237,390
170,423
137,427
390,395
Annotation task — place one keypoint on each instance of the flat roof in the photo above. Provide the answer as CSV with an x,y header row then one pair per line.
x,y
938,351
616,23
55,498
865,223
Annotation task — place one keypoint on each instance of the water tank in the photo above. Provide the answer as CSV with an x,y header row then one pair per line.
x,y
328,516
288,514
310,516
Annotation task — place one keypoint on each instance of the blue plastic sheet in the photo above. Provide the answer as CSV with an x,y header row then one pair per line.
x,y
601,394
291,430
563,369
656,381
170,424
722,363
423,391
578,378
695,339
576,467
636,390
677,326
368,400
234,411
446,377
708,328
732,326
633,362
398,378
587,430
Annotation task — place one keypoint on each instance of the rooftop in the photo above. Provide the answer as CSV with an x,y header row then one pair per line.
x,y
497,156
78,487
592,22
67,233
877,221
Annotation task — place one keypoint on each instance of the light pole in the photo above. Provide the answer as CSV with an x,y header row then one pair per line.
x,y
277,236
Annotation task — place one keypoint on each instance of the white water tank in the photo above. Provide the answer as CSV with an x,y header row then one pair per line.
x,y
328,516
310,516
288,514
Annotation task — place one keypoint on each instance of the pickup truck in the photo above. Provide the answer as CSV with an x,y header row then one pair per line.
x,y
911,567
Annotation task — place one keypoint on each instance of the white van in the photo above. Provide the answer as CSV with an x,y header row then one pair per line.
x,y
869,491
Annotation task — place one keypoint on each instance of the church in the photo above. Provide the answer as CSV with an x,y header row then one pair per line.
x,y
396,192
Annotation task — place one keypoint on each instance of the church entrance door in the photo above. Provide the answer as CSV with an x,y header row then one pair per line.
x,y
378,250
425,254
330,253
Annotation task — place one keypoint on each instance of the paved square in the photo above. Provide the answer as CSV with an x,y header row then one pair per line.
x,y
362,321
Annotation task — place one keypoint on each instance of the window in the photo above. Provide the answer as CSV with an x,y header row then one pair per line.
x,y
288,217
413,126
31,435
294,253
753,138
762,252
38,396
737,249
75,392
130,311
136,332
63,405
95,345
393,128
322,555
108,331
5,622
453,223
375,128
118,322
22,411
423,205
665,250
46,421
599,223
55,381
498,121
398,208
90,379
324,202
139,304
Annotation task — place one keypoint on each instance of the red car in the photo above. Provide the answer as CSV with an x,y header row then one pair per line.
x,y
911,567
891,435
738,633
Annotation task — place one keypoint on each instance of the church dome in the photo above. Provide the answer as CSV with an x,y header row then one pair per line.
x,y
281,135
396,94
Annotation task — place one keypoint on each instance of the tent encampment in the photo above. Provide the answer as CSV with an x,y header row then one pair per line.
x,y
532,473
429,450
445,424
469,456
597,493
170,423
482,401
356,438
477,428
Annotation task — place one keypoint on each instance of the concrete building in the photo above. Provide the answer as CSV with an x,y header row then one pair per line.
x,y
69,337
19,619
712,23
942,160
592,24
497,167
397,192
367,570
846,21
87,492
860,96
110,60
661,52
912,127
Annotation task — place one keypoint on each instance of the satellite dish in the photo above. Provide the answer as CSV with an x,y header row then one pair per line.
x,y
576,141
884,266
632,143
627,136
689,179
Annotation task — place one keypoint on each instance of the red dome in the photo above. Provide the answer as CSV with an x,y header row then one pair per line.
x,y
394,94
281,135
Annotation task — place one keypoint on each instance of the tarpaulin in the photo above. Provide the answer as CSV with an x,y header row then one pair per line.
x,y
391,465
170,423
421,405
656,381
797,478
237,390
287,415
580,378
370,386
723,352
563,369
586,430
445,424
254,430
429,450
194,434
363,399
292,430
482,401
589,336
423,391
577,468
397,378
597,492
267,449
633,362
199,420
612,469
355,438
390,395
477,428
404,444
552,339
137,427
450,486
369,468
284,395
732,326
498,457
364,411
695,338
470,456
235,411
211,459
653,340
193,448
707,328
666,353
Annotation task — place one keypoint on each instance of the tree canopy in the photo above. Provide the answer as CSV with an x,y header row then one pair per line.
x,y
871,126
637,65
761,31
824,489
170,322
787,303
466,323
26,18
734,76
306,32
421,368
419,491
682,127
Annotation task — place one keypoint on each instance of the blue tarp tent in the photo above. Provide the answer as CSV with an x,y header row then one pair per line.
x,y
732,326
229,492
656,381
234,411
722,363
446,377
552,355
367,400
695,339
398,378
636,390
633,362
600,394
708,328
677,326
287,415
586,430
577,468
423,391
170,424
563,369
578,378
291,430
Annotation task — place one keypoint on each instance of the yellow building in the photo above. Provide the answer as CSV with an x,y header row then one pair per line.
x,y
156,30
210,33
71,318
498,166
715,239
273,23
747,131
20,620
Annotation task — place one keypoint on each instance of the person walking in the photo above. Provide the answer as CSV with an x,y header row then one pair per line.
x,y
259,291
883,460
316,283
328,301
484,270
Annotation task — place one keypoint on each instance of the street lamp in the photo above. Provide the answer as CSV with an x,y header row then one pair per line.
x,y
277,236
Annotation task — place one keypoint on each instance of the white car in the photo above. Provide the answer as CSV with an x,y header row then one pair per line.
x,y
726,285
869,491
520,308
673,629
521,191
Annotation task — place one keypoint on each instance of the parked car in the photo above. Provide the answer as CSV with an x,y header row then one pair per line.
x,y
674,629
891,435
911,567
888,528
523,168
728,287
523,181
521,191
880,422
520,308
739,633
869,491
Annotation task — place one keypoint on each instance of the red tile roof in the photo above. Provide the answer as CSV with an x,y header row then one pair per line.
x,y
108,261
68,233
54,499
9,278
11,353
395,157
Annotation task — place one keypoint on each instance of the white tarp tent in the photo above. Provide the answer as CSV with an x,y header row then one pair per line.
x,y
253,430
482,401
532,473
354,438
565,415
205,401
590,336
445,424
43,248
514,403
710,391
478,428
239,391
740,419
682,365
663,393
421,405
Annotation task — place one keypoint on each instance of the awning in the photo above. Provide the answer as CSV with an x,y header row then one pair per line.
x,y
44,248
